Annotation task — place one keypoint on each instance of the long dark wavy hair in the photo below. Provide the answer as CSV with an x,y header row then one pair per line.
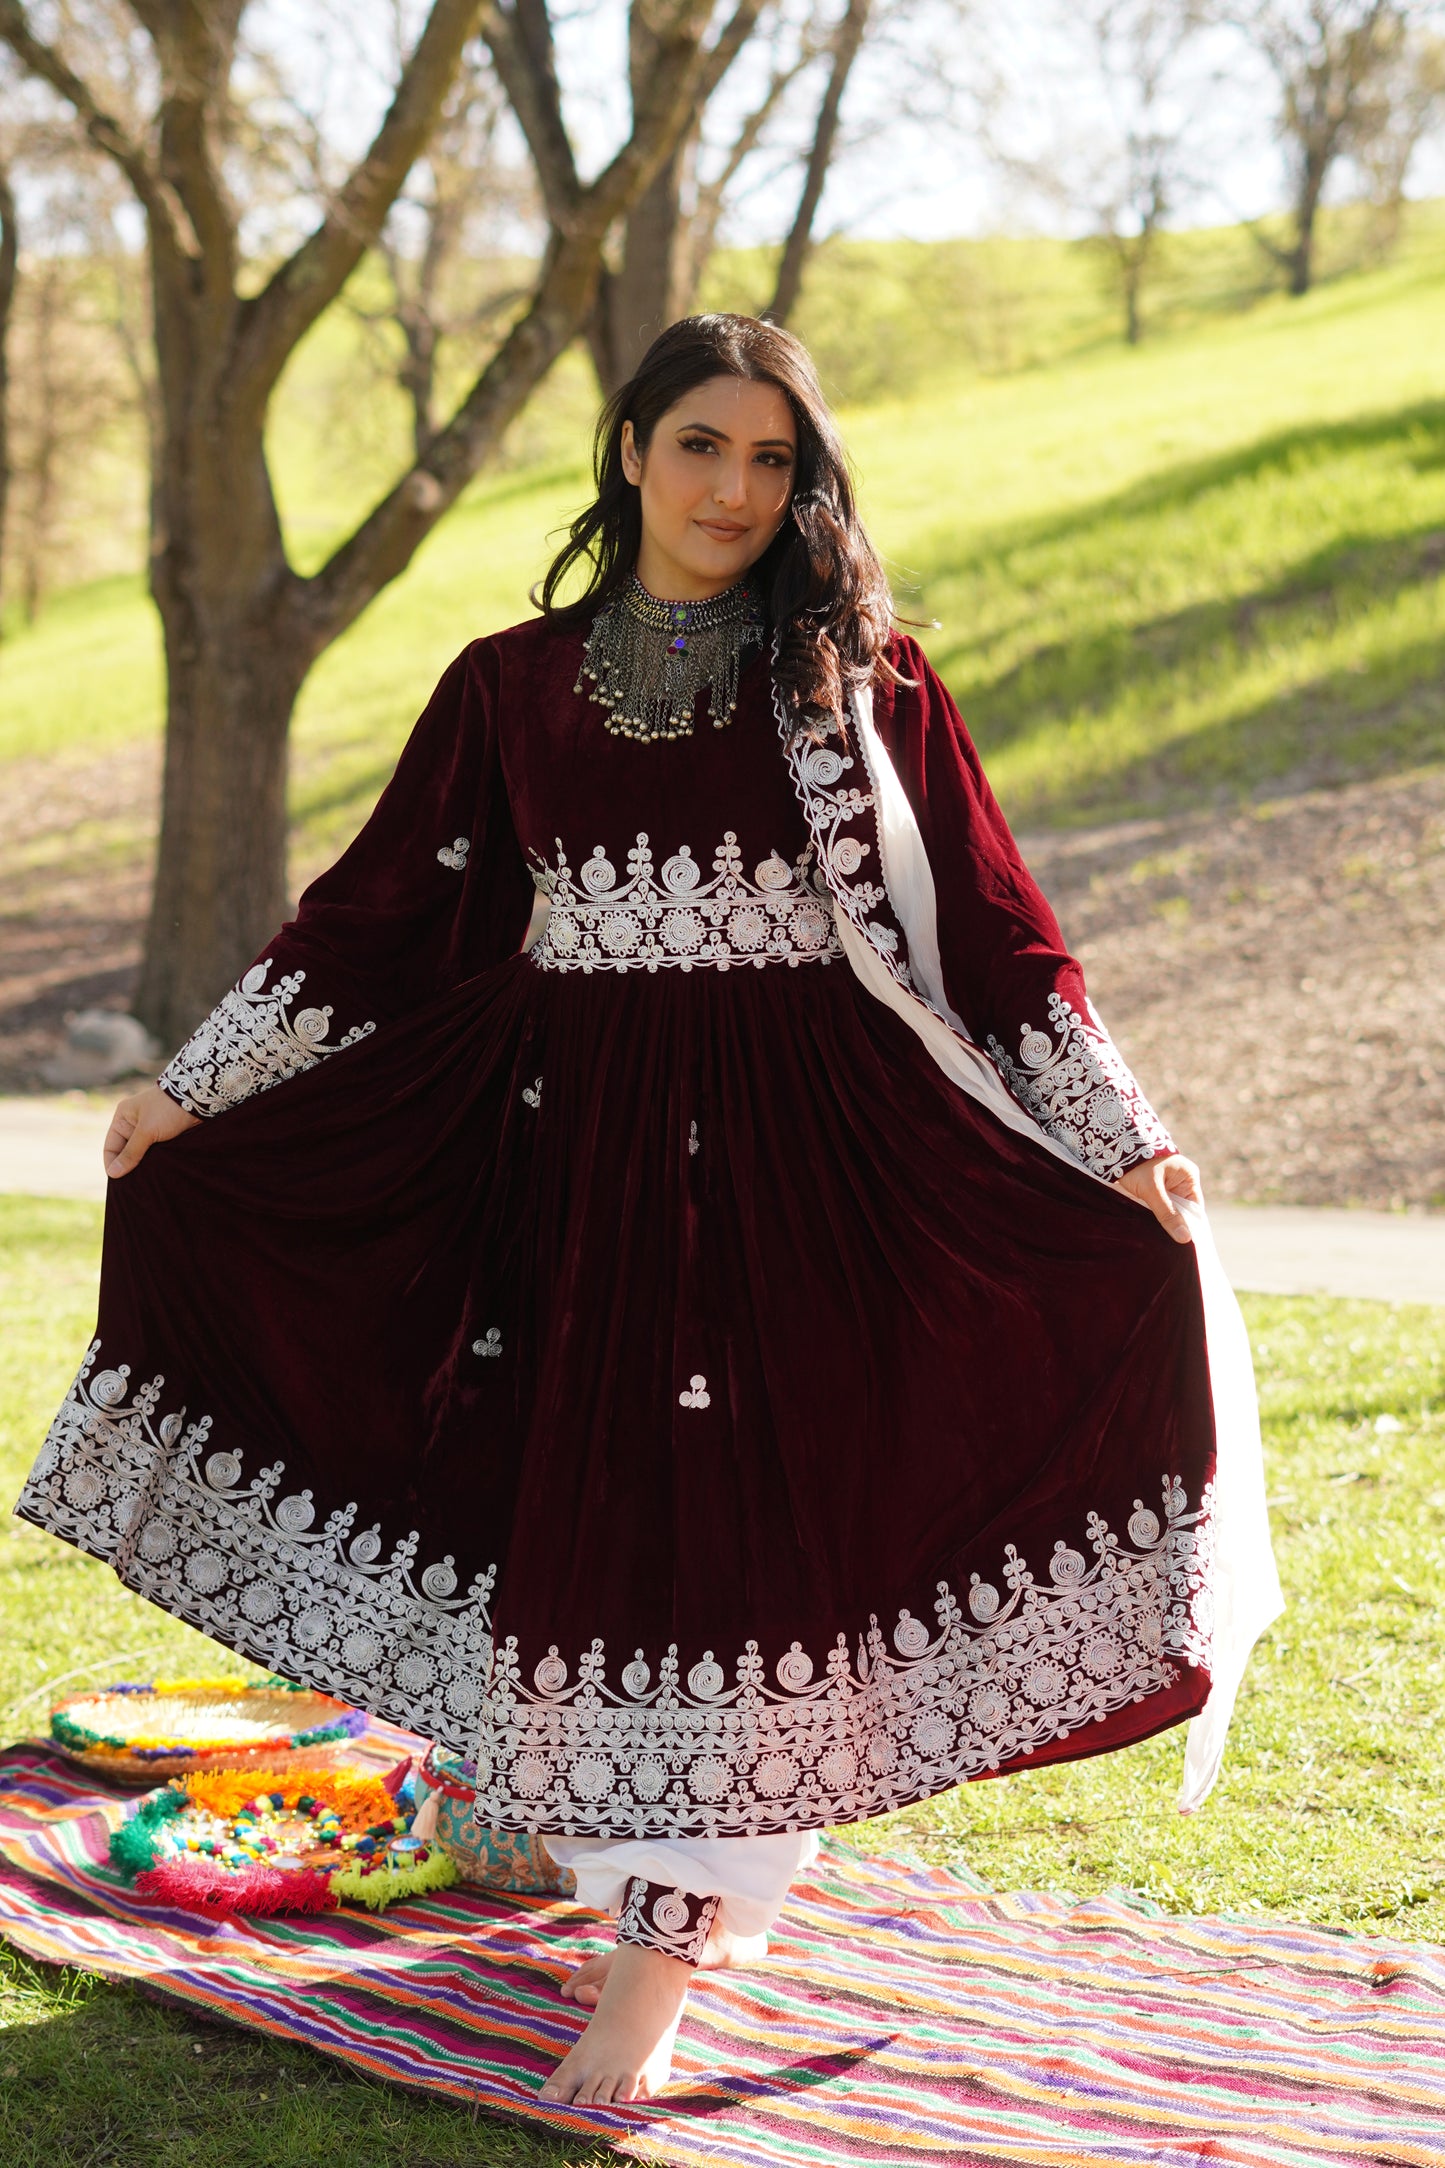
x,y
823,588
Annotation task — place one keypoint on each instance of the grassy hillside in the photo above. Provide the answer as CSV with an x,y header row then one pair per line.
x,y
1162,577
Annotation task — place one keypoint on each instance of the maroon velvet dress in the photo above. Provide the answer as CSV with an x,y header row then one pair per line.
x,y
629,1358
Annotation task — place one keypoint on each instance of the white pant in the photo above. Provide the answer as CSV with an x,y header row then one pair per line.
x,y
751,1875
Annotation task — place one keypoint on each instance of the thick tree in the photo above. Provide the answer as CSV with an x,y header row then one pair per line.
x,y
1328,59
241,626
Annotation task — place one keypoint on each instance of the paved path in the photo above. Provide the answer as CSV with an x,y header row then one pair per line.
x,y
50,1147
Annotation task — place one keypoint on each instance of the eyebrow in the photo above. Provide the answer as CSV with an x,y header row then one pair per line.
x,y
705,429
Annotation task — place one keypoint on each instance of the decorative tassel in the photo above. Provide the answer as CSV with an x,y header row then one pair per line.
x,y
197,1885
424,1827
395,1780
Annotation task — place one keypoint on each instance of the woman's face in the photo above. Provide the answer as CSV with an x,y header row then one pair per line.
x,y
716,480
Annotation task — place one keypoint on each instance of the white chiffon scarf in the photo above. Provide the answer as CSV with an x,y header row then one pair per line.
x,y
1246,1588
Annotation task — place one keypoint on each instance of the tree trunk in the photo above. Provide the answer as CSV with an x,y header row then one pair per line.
x,y
9,264
652,286
220,887
799,244
236,657
1301,262
242,629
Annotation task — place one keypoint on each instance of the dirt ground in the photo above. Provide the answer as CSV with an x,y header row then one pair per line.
x,y
1270,974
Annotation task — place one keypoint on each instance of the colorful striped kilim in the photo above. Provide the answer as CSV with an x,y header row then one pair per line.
x,y
905,2016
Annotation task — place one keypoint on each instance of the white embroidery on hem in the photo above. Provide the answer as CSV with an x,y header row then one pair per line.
x,y
1082,1093
641,923
701,1757
249,1042
675,1758
318,1605
698,1397
671,1920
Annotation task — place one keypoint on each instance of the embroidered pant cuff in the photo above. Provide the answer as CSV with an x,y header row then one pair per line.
x,y
654,1917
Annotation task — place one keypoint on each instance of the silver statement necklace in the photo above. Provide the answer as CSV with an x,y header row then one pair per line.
x,y
650,660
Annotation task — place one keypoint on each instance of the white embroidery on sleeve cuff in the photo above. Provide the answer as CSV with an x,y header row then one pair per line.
x,y
249,1042
1081,1091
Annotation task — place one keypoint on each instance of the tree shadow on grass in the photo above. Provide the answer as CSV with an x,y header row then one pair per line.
x,y
1178,488
1372,716
1327,732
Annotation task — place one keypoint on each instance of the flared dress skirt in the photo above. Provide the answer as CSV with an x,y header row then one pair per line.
x,y
661,1383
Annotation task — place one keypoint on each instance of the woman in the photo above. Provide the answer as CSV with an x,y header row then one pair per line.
x,y
700,1345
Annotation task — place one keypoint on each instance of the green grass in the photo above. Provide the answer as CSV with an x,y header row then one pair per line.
x,y
1330,1807
1203,570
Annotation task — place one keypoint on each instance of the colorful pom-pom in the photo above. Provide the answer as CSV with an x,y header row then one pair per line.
x,y
379,1886
226,1892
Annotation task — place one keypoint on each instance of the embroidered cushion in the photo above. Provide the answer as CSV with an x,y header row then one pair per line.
x,y
490,1858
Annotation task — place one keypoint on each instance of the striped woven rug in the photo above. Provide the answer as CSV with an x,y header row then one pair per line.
x,y
906,2015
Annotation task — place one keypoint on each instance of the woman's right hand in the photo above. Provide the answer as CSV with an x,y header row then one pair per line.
x,y
146,1118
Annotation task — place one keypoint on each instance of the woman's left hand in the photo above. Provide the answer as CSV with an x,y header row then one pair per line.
x,y
1157,1182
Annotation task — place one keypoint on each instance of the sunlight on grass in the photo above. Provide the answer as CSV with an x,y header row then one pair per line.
x,y
1164,577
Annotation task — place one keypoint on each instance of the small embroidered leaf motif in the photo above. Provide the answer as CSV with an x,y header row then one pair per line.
x,y
699,1397
532,1093
455,855
492,1345
693,1143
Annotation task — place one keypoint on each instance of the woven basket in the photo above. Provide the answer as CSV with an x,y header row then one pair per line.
x,y
489,1858
147,1732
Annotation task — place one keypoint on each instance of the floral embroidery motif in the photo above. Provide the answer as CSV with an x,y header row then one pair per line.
x,y
831,806
698,1397
251,1041
320,1605
694,1145
532,1094
674,1921
492,1345
645,923
1081,1092
1002,1673
455,855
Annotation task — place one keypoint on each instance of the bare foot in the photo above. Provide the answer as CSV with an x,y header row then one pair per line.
x,y
626,2051
724,1952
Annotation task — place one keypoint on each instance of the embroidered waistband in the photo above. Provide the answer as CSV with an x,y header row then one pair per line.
x,y
675,919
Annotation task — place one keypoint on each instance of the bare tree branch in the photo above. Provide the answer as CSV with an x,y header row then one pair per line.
x,y
170,221
519,38
711,197
1327,56
847,44
305,285
388,537
195,48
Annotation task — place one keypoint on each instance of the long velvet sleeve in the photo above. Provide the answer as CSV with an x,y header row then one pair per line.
x,y
1007,974
433,890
